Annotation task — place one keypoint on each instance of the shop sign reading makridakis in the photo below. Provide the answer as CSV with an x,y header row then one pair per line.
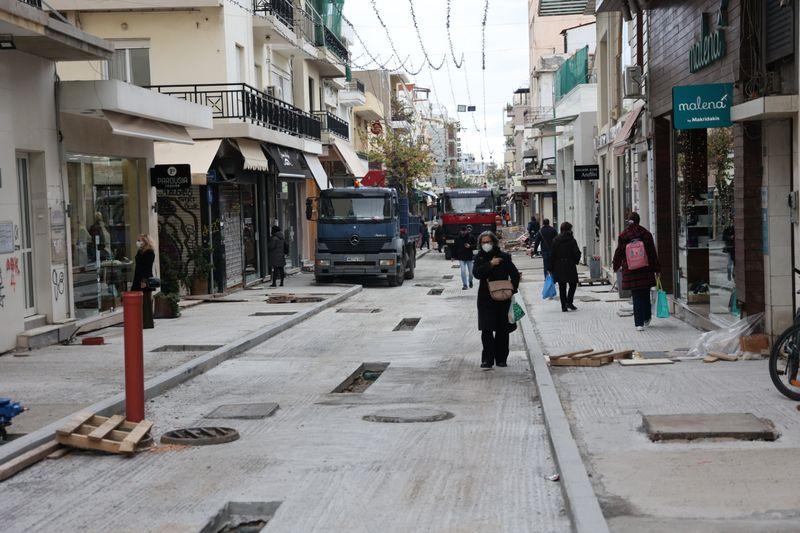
x,y
702,106
171,177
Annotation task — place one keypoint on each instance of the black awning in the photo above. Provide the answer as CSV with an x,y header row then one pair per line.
x,y
288,162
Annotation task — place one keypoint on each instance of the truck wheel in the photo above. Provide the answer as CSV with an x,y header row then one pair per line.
x,y
397,279
448,255
412,263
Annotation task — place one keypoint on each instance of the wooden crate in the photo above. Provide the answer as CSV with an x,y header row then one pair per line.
x,y
88,431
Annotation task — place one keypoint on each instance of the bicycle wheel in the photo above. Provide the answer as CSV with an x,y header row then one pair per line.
x,y
784,363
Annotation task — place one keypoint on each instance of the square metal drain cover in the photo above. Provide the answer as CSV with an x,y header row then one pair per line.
x,y
187,348
246,411
435,292
742,426
242,517
407,324
274,313
449,276
358,311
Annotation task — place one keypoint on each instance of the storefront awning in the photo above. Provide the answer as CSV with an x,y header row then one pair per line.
x,y
288,161
349,157
317,171
254,158
624,134
199,156
144,128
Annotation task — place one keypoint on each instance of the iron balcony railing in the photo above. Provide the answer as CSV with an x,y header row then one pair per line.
x,y
248,104
312,28
336,46
355,86
333,124
34,3
282,9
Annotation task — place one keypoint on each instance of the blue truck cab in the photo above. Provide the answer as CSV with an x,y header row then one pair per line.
x,y
364,231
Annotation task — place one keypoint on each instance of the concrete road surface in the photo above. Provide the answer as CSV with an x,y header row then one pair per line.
x,y
485,469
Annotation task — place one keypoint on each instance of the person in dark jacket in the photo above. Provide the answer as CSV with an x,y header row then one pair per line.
x,y
464,252
277,249
545,238
491,264
142,272
564,257
639,281
533,227
426,236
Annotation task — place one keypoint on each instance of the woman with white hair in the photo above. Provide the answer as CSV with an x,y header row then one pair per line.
x,y
142,272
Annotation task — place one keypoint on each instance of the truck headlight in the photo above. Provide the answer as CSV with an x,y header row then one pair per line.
x,y
387,262
323,262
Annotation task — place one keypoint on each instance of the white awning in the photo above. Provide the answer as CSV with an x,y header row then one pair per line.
x,y
254,158
317,171
350,158
144,128
199,155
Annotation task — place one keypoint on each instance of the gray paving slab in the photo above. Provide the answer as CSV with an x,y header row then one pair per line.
x,y
485,469
742,426
246,411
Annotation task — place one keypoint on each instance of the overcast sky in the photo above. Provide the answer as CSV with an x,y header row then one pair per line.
x,y
506,57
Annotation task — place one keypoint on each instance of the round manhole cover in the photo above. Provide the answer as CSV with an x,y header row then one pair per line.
x,y
409,415
202,436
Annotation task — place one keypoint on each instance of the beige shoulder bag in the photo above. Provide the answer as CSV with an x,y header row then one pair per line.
x,y
501,290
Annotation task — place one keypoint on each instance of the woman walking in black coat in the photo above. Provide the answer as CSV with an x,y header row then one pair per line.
x,y
277,248
493,265
142,272
564,257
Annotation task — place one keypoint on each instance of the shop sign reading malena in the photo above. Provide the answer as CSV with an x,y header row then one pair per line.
x,y
711,46
702,106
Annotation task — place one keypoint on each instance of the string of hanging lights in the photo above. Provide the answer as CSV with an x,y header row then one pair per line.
x,y
419,38
450,39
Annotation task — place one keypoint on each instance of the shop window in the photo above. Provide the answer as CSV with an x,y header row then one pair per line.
x,y
130,63
104,222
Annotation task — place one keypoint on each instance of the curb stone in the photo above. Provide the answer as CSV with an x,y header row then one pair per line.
x,y
163,382
582,503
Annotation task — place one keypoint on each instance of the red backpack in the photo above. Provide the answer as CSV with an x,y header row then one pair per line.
x,y
636,255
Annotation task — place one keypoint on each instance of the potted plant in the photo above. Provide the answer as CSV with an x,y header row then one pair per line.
x,y
166,301
197,282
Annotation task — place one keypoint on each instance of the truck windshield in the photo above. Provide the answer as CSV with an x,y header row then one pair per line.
x,y
355,208
469,204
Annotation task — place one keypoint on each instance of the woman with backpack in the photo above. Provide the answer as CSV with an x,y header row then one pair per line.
x,y
277,249
564,257
636,256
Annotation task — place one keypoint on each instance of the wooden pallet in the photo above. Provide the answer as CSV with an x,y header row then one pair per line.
x,y
589,357
88,431
592,282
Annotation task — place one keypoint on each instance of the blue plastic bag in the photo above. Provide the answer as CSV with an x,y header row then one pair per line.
x,y
549,289
662,305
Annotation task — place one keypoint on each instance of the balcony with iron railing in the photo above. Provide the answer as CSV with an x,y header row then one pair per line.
x,y
34,3
355,86
239,101
333,124
313,29
283,10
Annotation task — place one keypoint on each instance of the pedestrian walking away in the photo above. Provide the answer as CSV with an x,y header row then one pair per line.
x,y
533,229
436,236
464,252
545,238
564,257
637,258
426,236
277,249
491,264
142,274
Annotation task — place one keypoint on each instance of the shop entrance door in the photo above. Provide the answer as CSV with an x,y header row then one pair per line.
x,y
288,219
26,235
252,272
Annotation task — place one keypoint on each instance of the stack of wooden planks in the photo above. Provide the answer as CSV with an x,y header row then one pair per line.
x,y
589,357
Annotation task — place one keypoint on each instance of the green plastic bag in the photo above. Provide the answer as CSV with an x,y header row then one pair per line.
x,y
662,305
515,312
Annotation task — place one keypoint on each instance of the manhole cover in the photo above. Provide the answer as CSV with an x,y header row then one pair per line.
x,y
427,285
245,411
741,426
358,311
409,415
242,517
435,292
202,436
449,276
407,324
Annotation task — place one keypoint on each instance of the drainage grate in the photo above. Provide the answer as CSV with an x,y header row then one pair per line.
x,y
202,436
187,348
360,380
242,517
435,292
274,313
358,311
449,276
407,324
427,285
244,411
409,415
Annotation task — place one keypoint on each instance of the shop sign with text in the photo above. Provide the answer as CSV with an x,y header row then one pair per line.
x,y
171,177
710,47
587,172
702,106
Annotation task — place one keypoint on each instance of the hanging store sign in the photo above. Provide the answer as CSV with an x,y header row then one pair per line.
x,y
587,172
711,45
702,106
171,177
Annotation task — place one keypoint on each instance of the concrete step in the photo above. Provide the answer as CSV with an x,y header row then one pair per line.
x,y
35,321
44,336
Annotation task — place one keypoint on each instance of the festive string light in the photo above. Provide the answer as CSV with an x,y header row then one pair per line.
x,y
419,38
450,40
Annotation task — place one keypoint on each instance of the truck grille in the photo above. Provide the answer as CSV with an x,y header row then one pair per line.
x,y
365,245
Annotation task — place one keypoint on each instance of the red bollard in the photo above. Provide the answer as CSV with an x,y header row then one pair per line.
x,y
134,356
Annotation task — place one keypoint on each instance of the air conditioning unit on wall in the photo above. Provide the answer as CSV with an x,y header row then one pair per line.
x,y
633,82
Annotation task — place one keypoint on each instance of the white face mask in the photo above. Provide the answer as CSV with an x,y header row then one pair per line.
x,y
487,247
138,244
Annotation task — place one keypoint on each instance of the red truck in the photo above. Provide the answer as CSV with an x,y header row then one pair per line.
x,y
475,208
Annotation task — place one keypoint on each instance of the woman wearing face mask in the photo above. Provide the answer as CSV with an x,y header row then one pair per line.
x,y
493,265
142,272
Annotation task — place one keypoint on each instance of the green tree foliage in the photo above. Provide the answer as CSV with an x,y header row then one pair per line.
x,y
404,158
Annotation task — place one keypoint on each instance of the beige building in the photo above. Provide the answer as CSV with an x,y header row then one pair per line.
x,y
74,188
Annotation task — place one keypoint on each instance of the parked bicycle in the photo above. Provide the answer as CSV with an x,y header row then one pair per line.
x,y
784,361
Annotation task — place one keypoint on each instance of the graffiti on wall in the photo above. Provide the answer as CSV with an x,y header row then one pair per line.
x,y
2,293
179,231
58,283
12,265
